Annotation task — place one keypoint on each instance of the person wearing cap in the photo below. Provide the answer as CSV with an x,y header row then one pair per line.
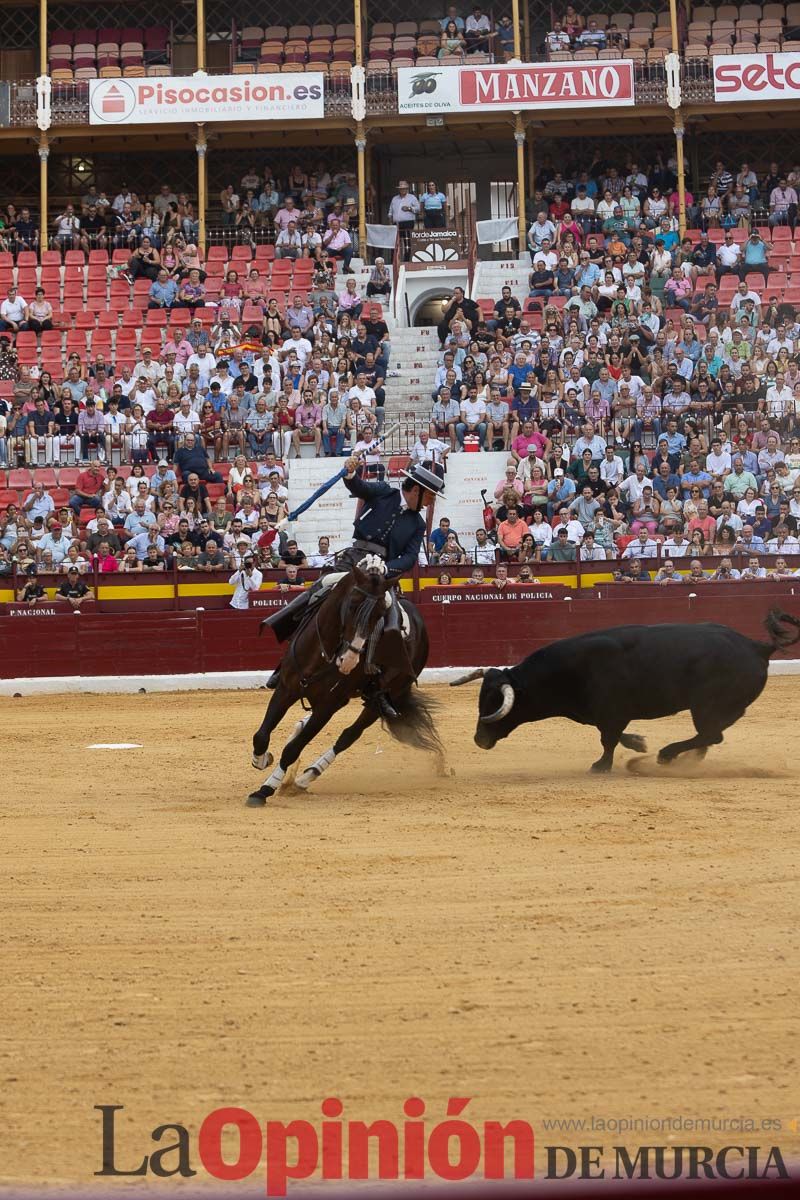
x,y
73,590
560,491
56,542
404,208
526,465
390,526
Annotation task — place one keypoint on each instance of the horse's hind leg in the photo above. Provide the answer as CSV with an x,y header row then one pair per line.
x,y
345,740
291,752
280,703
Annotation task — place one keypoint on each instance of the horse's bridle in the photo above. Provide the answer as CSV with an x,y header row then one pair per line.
x,y
363,614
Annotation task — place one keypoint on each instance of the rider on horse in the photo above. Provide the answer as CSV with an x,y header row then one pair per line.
x,y
387,528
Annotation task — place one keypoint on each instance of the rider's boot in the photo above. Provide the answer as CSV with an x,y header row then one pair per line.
x,y
391,650
284,622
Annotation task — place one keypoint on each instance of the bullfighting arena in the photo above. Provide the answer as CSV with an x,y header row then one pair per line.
x,y
549,943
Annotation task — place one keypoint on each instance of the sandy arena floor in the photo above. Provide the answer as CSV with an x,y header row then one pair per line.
x,y
550,943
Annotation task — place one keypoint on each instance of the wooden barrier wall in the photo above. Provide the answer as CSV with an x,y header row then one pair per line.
x,y
467,627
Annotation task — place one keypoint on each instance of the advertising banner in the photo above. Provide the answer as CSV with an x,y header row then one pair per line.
x,y
513,88
756,77
289,97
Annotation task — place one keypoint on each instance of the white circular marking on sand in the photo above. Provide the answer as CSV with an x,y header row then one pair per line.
x,y
116,746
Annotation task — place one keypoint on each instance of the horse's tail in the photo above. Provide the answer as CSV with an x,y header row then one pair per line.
x,y
414,725
779,636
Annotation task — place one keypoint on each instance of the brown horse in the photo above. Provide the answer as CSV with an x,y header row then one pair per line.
x,y
334,657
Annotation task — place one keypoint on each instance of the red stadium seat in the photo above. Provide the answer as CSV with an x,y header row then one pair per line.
x,y
19,478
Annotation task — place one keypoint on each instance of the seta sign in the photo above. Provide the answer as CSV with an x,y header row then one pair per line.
x,y
510,89
286,97
756,77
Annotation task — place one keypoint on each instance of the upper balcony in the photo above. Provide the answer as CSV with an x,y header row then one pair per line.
x,y
70,100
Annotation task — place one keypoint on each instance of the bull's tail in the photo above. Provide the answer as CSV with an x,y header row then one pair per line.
x,y
414,725
779,636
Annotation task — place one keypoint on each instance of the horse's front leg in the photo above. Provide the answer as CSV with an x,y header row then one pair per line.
x,y
345,740
280,703
306,730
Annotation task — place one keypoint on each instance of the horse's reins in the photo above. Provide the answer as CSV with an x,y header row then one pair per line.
x,y
363,614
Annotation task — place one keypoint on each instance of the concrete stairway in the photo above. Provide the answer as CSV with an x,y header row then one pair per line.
x,y
333,514
491,277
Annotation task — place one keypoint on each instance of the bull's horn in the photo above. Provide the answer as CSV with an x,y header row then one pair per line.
x,y
476,674
505,708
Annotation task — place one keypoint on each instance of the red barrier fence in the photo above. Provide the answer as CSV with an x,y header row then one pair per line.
x,y
467,627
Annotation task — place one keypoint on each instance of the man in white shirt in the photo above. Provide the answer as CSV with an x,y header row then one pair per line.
x,y
642,546
612,468
206,363
582,207
115,424
779,398
187,420
676,546
324,555
729,257
477,31
483,552
779,342
246,579
268,361
144,394
403,211
12,311
298,345
632,490
289,242
362,391
573,526
718,461
526,465
473,418
428,449
541,230
743,294
149,367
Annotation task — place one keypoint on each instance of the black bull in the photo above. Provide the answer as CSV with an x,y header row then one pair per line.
x,y
611,677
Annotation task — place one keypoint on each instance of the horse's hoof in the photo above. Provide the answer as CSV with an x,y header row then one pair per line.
x,y
259,799
307,778
262,761
600,767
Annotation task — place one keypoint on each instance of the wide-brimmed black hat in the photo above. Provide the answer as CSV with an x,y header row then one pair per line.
x,y
426,478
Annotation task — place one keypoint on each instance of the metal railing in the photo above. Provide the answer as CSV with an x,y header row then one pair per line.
x,y
70,101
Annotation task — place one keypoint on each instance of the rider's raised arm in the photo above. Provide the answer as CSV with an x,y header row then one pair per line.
x,y
364,490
